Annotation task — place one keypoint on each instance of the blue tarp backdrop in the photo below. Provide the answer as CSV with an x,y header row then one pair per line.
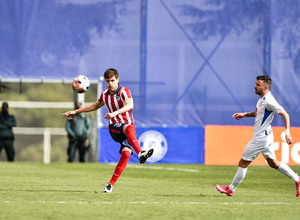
x,y
187,62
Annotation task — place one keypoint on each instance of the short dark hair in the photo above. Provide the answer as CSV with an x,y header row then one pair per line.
x,y
110,73
4,105
266,79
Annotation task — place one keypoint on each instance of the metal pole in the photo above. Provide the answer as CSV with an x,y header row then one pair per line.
x,y
99,91
143,56
47,145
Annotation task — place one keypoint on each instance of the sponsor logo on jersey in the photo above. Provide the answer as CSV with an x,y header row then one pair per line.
x,y
117,125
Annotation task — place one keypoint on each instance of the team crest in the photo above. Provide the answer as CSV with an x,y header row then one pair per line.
x,y
156,140
118,97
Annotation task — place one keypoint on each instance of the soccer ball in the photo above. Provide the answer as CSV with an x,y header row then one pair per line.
x,y
80,84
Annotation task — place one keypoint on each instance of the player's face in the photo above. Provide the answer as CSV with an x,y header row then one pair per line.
x,y
260,87
112,84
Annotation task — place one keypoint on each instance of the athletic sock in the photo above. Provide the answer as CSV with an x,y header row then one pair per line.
x,y
130,132
285,169
120,166
238,178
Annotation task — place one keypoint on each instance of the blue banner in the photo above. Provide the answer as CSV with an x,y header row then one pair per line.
x,y
171,145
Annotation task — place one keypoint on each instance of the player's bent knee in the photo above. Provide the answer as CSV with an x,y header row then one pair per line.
x,y
273,163
244,163
127,149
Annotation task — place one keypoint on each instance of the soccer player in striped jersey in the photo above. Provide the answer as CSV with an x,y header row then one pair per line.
x,y
121,127
263,138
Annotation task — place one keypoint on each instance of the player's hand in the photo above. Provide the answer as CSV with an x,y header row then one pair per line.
x,y
68,114
289,139
238,116
111,115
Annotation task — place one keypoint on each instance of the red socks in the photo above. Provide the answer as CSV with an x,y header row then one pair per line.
x,y
120,166
130,132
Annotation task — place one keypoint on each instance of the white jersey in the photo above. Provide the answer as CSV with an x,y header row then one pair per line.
x,y
266,107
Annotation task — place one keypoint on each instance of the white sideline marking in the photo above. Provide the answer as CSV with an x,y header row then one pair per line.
x,y
160,168
141,202
241,203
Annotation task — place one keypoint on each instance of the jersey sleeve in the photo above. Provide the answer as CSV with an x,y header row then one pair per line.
x,y
273,105
101,97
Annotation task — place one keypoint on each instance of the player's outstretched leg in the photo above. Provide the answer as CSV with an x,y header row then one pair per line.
x,y
285,169
144,155
130,133
225,189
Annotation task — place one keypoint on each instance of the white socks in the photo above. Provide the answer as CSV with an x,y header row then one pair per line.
x,y
238,178
241,173
285,169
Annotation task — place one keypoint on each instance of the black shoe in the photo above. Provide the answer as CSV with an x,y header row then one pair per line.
x,y
108,188
144,155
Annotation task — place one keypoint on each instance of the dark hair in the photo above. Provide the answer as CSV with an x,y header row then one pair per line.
x,y
266,79
110,73
4,105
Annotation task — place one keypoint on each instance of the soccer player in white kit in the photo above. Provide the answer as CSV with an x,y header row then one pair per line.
x,y
263,138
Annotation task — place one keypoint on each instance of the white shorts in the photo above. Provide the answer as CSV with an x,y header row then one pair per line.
x,y
259,145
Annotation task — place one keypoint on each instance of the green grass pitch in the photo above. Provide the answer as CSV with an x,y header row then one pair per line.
x,y
169,191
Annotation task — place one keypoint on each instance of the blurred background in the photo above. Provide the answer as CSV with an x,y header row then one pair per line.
x,y
188,64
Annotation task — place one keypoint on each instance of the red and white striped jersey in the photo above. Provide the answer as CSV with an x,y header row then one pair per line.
x,y
115,102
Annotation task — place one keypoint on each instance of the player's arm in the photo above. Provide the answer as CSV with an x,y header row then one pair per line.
x,y
238,115
11,122
286,119
127,107
91,107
